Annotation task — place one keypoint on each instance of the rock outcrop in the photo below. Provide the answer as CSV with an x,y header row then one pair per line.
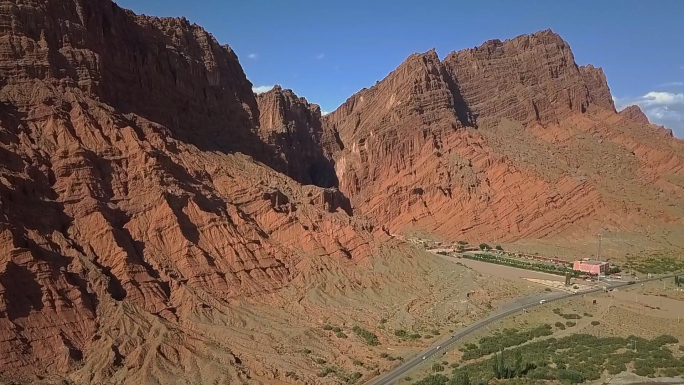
x,y
292,126
634,113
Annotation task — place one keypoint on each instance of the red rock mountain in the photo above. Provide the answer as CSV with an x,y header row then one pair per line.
x,y
130,216
504,141
161,223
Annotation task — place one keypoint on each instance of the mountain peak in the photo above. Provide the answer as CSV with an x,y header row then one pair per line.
x,y
635,113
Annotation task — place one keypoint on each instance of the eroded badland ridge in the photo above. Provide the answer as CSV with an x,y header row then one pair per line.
x,y
162,223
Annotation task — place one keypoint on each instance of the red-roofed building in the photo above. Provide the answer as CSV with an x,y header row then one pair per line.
x,y
591,267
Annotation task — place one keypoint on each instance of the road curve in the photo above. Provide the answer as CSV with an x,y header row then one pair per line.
x,y
389,377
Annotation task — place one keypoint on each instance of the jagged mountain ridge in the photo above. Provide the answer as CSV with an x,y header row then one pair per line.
x,y
500,142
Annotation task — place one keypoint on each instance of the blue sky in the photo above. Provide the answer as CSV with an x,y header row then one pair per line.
x,y
326,51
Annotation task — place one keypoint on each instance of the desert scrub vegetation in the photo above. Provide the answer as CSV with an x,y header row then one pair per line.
x,y
572,360
370,338
657,264
403,334
503,339
567,316
341,374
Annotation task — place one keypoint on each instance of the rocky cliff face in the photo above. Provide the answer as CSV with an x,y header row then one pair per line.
x,y
293,127
490,144
128,210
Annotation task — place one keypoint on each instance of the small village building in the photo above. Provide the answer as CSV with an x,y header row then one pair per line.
x,y
591,266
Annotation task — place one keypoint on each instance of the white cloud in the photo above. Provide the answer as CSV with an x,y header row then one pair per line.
x,y
320,56
252,56
324,113
261,89
658,98
663,108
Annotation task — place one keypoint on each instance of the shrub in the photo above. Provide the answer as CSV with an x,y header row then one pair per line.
x,y
433,379
320,361
595,323
327,370
437,367
292,375
572,376
560,325
587,314
384,355
484,246
341,335
370,338
571,316
327,327
383,321
498,247
435,332
401,333
547,289
644,371
408,378
357,362
570,324
666,339
336,329
414,336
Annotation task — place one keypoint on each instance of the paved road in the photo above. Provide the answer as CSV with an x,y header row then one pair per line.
x,y
395,374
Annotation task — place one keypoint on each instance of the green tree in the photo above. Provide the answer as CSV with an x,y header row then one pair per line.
x,y
518,368
462,378
484,246
498,247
